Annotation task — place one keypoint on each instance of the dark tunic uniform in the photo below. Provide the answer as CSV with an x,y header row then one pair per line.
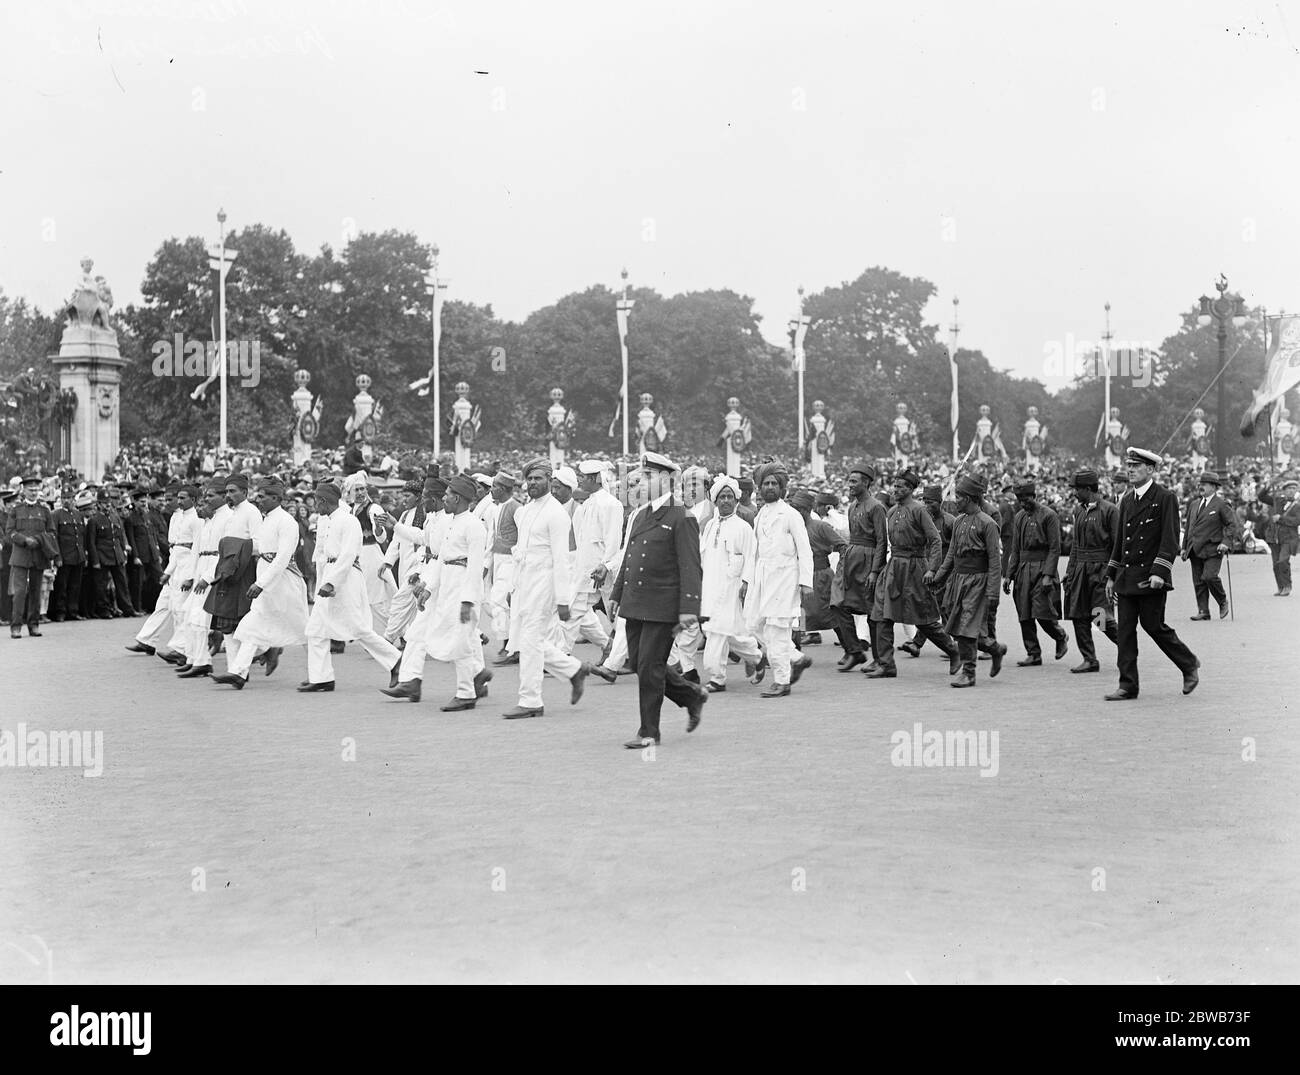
x,y
901,593
824,540
1036,555
24,531
1085,574
972,569
70,528
852,591
106,550
1146,542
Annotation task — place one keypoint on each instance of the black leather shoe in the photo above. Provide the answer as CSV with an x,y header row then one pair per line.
x,y
996,658
851,661
1200,616
184,667
813,638
457,704
393,673
695,709
797,668
523,713
1191,679
35,632
272,659
1029,662
196,672
314,688
16,632
775,690
604,673
954,663
1087,666
136,647
963,680
481,680
715,688
883,673
1120,696
1062,647
511,658
176,659
233,681
1223,611
760,670
410,690
638,743
578,683
872,667
910,648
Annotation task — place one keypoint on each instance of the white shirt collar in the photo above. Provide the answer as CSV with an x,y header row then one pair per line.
x,y
1141,490
659,502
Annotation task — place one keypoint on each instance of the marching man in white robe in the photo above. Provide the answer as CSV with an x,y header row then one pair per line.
x,y
370,516
543,586
597,534
782,573
182,532
727,548
341,610
197,622
277,616
451,629
408,552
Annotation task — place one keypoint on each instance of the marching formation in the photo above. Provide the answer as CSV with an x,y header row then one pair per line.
x,y
673,575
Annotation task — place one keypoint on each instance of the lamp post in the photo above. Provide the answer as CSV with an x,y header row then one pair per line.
x,y
1219,311
435,287
954,415
623,310
798,329
220,260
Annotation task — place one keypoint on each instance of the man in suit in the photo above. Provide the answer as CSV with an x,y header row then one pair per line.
x,y
1282,531
1140,574
144,566
657,591
1210,527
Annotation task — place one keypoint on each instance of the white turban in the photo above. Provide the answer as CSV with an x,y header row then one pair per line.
x,y
724,481
566,476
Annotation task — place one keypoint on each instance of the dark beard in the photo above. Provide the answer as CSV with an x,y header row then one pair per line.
x,y
770,496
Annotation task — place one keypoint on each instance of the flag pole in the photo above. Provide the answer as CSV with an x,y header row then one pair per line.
x,y
221,317
798,329
624,308
952,361
1106,337
434,287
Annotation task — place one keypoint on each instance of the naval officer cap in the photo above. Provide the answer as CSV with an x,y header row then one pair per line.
x,y
1142,455
655,461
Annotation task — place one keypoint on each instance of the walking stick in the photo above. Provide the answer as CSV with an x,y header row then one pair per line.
x,y
1232,605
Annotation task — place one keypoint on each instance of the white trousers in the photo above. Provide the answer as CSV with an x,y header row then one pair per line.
x,y
618,651
716,647
239,656
158,627
320,663
503,583
781,651
417,646
685,647
583,623
537,653
401,613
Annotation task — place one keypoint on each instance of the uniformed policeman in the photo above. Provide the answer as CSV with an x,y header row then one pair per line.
x,y
70,527
1140,573
28,528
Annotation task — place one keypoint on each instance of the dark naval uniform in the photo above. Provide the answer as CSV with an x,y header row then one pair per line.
x,y
1146,542
1036,555
1095,526
659,580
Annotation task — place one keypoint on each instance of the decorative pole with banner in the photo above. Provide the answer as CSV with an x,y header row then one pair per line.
x,y
624,307
799,362
434,287
219,261
953,411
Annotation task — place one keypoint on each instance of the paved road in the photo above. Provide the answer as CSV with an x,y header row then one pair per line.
x,y
233,837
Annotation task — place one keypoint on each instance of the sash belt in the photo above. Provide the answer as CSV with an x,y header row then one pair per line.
x,y
460,561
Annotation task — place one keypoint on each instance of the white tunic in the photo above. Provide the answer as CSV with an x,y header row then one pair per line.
x,y
205,566
598,533
278,615
346,615
242,522
543,568
727,549
783,563
448,639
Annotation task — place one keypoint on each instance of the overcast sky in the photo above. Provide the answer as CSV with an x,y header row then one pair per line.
x,y
1034,159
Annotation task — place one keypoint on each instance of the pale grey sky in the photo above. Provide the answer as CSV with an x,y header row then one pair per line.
x,y
1035,159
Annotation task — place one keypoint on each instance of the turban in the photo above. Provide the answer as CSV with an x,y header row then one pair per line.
x,y
329,491
771,470
746,483
533,465
971,485
240,480
932,494
696,473
1086,479
827,499
193,490
865,469
1141,455
483,479
565,476
801,499
505,479
723,481
591,466
1027,488
464,487
272,487
358,480
435,487
909,477
416,487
